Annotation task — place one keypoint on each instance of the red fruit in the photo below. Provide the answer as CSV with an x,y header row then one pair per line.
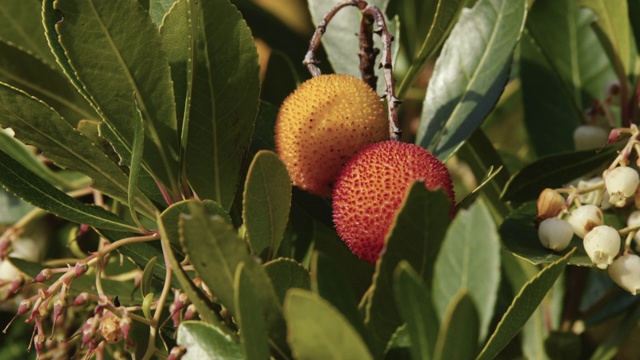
x,y
371,188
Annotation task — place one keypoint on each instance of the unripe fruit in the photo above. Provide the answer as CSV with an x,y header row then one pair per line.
x,y
625,271
621,183
587,137
585,218
322,124
371,188
602,244
555,234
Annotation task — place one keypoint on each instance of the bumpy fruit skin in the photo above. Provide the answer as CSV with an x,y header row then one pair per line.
x,y
322,124
371,188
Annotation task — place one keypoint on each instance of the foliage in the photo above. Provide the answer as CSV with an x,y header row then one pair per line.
x,y
147,214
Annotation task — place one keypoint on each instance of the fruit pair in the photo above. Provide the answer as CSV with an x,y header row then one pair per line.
x,y
320,127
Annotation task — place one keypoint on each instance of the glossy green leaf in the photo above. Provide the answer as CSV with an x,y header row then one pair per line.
x,y
470,74
563,68
131,69
196,296
319,331
523,305
469,259
416,237
399,345
249,317
171,217
613,19
37,124
327,280
20,25
563,33
459,330
215,251
554,171
414,303
287,274
266,203
520,237
224,105
205,341
135,164
18,180
340,43
634,18
147,276
264,134
22,70
446,14
146,306
179,32
158,9
27,158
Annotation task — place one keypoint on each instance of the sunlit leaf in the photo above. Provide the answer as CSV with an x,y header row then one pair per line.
x,y
205,341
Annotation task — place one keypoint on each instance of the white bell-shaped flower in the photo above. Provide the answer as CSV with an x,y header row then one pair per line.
x,y
587,137
621,183
602,244
585,218
625,271
555,234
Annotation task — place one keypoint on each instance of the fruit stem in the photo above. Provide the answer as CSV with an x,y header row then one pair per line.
x,y
367,54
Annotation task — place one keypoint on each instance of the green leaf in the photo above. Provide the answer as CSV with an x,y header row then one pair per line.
x,y
146,306
327,280
18,180
414,303
158,9
147,276
469,259
264,134
520,237
470,74
266,203
19,152
523,305
340,44
23,70
563,68
35,123
563,33
287,274
196,296
416,237
613,19
224,105
215,251
136,164
205,341
553,172
319,331
446,14
459,331
131,61
20,26
249,317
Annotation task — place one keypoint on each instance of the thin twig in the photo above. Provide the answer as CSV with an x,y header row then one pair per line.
x,y
367,54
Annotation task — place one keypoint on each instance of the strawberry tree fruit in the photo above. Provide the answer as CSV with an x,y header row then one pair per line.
x,y
371,187
322,124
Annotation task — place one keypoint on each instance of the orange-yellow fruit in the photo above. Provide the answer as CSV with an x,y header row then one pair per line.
x,y
371,188
322,124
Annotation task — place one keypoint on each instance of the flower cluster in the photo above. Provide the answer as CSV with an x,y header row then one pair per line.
x,y
579,210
